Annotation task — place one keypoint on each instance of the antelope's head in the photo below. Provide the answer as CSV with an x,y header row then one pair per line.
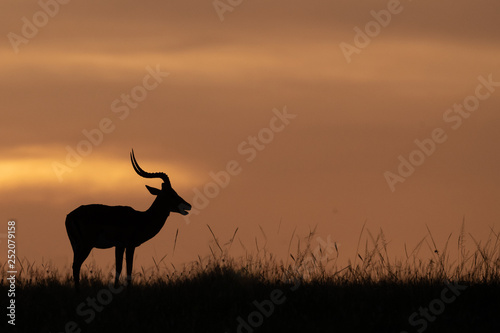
x,y
174,203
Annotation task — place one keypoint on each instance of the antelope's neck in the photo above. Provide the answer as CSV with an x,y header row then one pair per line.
x,y
155,216
158,212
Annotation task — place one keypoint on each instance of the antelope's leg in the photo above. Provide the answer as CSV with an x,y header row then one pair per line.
x,y
119,263
79,257
130,261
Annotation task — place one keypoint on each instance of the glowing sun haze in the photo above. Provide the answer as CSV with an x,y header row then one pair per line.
x,y
189,93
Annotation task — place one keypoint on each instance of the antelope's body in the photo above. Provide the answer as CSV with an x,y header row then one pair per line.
x,y
122,227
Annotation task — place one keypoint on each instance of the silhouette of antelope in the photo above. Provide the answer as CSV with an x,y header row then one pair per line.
x,y
123,227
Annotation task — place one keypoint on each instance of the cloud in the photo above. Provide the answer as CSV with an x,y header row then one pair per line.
x,y
32,167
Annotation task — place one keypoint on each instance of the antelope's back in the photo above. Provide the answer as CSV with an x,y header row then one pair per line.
x,y
97,213
98,224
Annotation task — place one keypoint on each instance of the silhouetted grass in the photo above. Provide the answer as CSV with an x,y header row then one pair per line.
x,y
215,294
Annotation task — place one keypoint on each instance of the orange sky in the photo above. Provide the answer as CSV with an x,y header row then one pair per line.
x,y
227,80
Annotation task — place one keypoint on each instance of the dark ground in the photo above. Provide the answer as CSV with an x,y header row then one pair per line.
x,y
226,301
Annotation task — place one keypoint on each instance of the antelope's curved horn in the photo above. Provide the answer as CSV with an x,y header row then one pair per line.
x,y
145,174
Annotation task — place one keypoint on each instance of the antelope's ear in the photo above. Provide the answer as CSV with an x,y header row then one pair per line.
x,y
152,190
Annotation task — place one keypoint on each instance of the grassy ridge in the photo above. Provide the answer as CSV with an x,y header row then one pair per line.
x,y
261,294
214,300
